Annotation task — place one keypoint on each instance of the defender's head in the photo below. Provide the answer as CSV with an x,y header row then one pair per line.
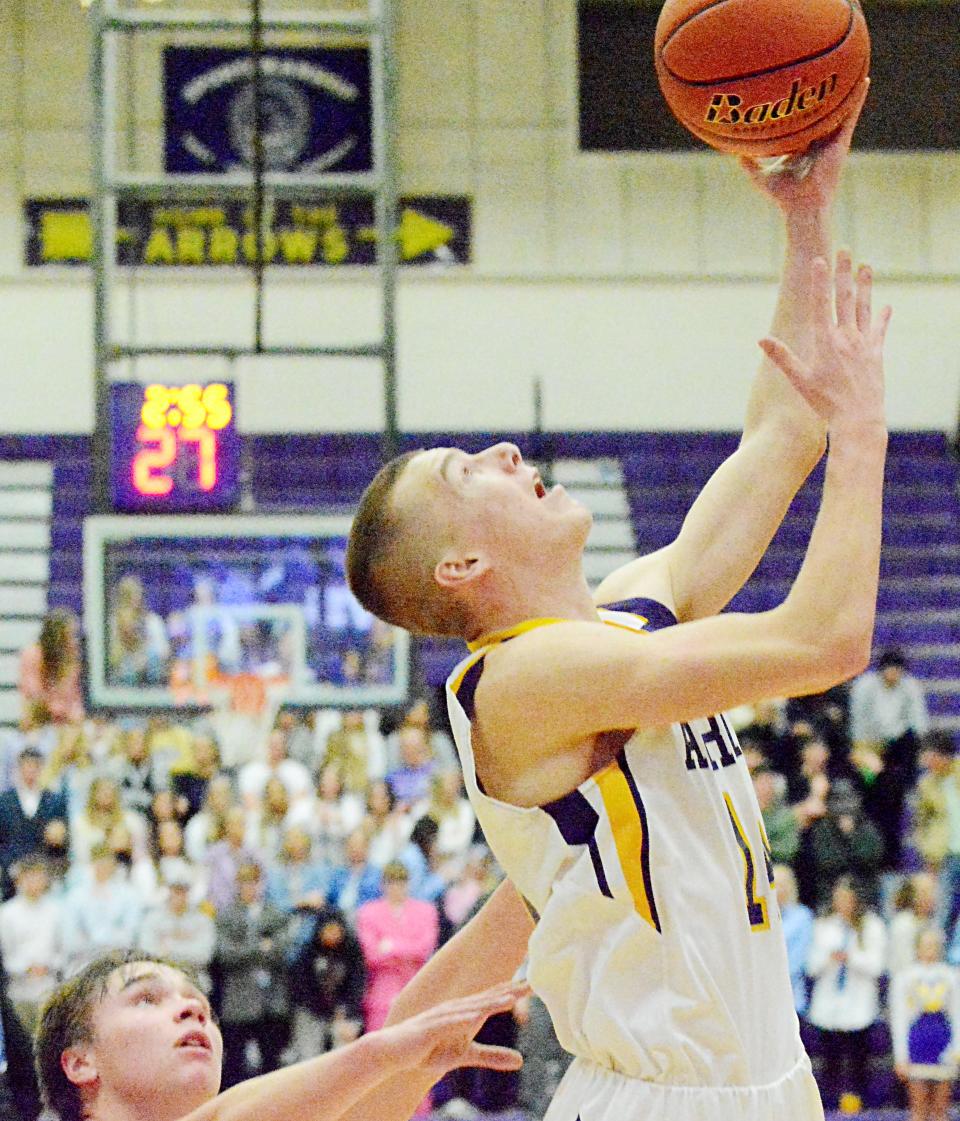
x,y
442,536
130,1030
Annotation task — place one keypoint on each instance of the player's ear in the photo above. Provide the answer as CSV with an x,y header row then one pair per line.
x,y
78,1064
456,570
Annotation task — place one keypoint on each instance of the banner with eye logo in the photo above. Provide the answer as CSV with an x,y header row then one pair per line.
x,y
316,109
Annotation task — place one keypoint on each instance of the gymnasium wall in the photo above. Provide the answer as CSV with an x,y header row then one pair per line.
x,y
633,286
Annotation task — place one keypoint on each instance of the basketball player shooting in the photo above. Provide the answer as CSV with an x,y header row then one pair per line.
x,y
615,799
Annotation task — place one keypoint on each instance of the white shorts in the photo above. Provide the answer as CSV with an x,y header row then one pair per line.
x,y
593,1093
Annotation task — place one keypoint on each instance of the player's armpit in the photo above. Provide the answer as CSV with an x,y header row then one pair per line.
x,y
726,531
733,520
646,577
549,691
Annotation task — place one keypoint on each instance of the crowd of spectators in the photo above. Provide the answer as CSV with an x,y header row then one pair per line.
x,y
305,885
309,883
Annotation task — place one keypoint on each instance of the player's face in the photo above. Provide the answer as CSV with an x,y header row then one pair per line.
x,y
155,1043
494,498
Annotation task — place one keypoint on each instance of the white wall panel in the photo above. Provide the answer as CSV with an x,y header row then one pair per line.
x,y
23,599
56,161
24,534
561,64
944,204
10,61
661,213
437,160
56,55
735,229
437,75
511,205
11,226
10,706
334,394
25,473
510,61
25,504
9,670
30,567
890,213
586,210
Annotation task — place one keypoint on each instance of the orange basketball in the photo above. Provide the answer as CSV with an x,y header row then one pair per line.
x,y
761,77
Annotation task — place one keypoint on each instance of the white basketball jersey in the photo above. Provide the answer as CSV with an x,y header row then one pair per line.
x,y
658,948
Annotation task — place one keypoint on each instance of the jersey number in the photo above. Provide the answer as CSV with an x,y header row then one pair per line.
x,y
758,910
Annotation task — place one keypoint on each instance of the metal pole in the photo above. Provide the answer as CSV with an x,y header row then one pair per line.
x,y
542,443
103,222
256,53
383,69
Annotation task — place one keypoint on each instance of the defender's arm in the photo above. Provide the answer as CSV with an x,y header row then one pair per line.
x,y
489,949
355,1080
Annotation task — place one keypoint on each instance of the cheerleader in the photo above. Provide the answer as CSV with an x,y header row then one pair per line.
x,y
925,1016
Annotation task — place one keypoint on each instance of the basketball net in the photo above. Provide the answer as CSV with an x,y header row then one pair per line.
x,y
245,707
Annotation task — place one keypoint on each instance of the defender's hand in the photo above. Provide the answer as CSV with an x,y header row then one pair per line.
x,y
442,1038
843,381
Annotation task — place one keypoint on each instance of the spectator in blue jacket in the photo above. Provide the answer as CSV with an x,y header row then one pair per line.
x,y
358,881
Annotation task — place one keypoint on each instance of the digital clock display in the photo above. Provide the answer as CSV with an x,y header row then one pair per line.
x,y
175,448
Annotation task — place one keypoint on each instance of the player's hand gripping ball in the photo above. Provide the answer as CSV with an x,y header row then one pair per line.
x,y
761,77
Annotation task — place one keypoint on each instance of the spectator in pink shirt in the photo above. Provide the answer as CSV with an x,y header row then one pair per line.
x,y
397,934
50,673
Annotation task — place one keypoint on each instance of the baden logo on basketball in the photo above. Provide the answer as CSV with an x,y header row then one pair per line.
x,y
728,108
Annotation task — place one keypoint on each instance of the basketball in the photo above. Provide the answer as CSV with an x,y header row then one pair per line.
x,y
761,77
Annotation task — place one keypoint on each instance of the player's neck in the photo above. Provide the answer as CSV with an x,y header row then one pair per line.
x,y
546,599
117,1109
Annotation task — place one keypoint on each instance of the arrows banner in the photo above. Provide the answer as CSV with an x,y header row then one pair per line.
x,y
313,231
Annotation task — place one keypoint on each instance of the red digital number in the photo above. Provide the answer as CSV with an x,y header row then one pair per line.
x,y
206,442
158,453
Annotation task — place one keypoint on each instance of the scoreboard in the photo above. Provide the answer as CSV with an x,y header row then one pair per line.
x,y
174,448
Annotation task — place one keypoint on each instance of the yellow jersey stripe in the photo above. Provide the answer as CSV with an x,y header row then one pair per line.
x,y
532,624
511,632
757,910
628,836
467,667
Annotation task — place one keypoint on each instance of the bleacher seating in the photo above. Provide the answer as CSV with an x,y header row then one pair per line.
x,y
662,472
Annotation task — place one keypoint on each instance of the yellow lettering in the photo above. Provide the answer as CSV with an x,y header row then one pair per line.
x,y
159,248
250,247
298,246
313,215
224,245
335,247
191,246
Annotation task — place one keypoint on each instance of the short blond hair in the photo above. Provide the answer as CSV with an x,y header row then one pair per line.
x,y
388,569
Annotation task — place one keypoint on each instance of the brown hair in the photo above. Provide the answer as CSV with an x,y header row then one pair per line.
x,y
56,657
395,873
65,1021
393,582
860,908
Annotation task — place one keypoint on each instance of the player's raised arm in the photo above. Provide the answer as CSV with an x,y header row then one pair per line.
x,y
584,678
734,519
